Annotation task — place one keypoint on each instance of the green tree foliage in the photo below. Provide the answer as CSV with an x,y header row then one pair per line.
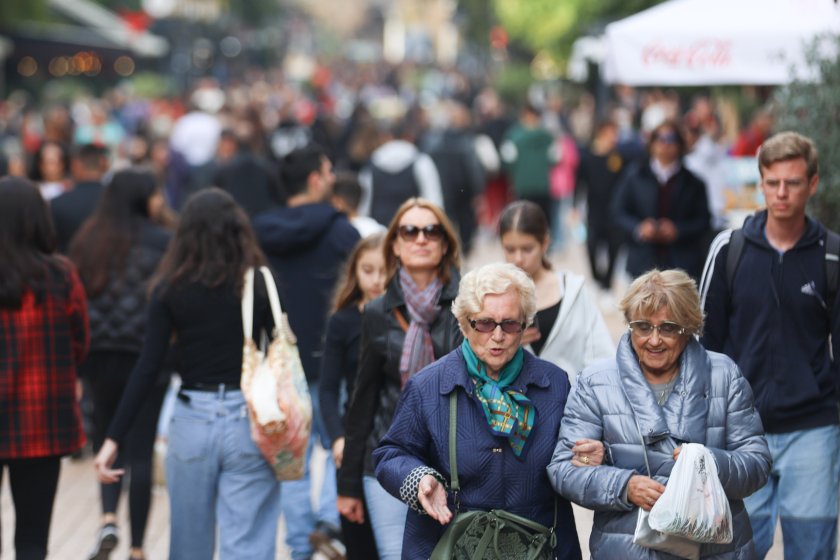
x,y
554,25
812,108
12,11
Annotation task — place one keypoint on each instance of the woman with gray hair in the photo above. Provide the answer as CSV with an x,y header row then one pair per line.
x,y
663,389
508,407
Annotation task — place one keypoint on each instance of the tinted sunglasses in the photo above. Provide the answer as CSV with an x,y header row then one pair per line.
x,y
432,232
666,329
667,138
489,325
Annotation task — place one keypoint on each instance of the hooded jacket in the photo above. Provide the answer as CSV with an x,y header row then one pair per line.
x,y
579,335
775,324
306,245
711,404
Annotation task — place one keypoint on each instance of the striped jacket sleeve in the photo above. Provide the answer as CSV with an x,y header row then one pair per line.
x,y
714,294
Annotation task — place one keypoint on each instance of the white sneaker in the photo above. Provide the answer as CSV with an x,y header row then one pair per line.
x,y
106,542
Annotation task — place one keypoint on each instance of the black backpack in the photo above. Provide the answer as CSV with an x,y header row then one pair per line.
x,y
832,262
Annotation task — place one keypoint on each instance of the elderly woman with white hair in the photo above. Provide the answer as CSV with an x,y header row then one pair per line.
x,y
507,409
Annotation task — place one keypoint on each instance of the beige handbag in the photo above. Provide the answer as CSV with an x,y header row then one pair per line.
x,y
274,386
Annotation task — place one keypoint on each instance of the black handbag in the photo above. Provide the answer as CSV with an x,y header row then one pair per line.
x,y
489,535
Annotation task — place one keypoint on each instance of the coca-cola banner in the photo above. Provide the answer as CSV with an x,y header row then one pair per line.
x,y
711,42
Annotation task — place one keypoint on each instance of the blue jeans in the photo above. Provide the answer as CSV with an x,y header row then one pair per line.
x,y
297,494
387,517
803,492
217,478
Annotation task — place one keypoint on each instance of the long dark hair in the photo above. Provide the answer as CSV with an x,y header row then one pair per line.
x,y
524,216
102,245
27,241
213,245
348,291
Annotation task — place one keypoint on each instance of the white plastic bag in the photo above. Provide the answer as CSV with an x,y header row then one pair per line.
x,y
694,504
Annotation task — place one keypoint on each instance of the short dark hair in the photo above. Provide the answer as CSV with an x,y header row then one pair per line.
x,y
348,189
90,156
298,165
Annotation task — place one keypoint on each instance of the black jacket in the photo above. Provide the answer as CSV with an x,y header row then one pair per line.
x,y
775,325
378,384
118,314
637,199
70,210
306,246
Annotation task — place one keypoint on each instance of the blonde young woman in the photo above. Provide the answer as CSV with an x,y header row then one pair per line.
x,y
569,330
403,331
363,281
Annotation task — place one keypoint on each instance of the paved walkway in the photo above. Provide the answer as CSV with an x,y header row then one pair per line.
x,y
76,514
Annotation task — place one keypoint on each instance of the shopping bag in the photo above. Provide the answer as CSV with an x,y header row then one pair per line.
x,y
274,387
648,537
694,504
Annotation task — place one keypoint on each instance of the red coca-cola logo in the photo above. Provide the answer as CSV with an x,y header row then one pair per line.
x,y
700,54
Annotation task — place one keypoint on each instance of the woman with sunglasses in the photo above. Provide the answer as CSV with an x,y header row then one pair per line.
x,y
403,331
663,389
569,330
508,408
662,208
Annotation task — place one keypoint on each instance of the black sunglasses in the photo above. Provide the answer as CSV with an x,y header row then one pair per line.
x,y
432,232
489,325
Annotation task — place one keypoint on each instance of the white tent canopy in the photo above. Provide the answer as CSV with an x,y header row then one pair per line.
x,y
715,42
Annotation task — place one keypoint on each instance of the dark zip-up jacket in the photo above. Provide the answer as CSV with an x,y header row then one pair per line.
x,y
378,384
775,324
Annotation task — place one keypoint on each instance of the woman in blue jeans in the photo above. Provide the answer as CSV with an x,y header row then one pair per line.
x,y
216,476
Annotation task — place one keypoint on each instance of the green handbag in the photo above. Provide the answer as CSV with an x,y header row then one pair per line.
x,y
489,535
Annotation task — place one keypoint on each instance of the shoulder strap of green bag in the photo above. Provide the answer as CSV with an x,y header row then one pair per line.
x,y
453,462
453,455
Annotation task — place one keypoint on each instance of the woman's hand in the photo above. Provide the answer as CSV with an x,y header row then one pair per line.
x,y
103,461
351,508
588,453
643,491
677,452
338,451
432,496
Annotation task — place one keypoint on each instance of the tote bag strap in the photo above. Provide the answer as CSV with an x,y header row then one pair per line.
x,y
248,304
273,297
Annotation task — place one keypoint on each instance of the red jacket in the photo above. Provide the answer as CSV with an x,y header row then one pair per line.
x,y
40,346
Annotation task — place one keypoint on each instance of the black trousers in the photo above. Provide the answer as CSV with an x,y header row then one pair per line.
x,y
108,374
33,483
603,237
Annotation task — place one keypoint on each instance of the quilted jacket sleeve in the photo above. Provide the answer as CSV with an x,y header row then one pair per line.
x,y
743,467
403,454
598,488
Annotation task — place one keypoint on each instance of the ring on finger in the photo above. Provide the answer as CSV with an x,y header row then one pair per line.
x,y
585,460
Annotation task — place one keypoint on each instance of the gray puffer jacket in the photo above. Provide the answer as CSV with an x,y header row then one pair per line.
x,y
711,404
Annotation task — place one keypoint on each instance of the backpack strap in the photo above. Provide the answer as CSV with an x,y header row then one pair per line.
x,y
832,267
736,248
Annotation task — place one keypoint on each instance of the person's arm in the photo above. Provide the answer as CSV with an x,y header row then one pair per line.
x,y
599,342
622,212
402,462
698,222
333,364
363,404
744,466
714,295
78,316
601,487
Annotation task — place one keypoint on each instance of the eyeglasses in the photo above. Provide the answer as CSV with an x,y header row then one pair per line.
x,y
432,232
666,329
667,138
489,325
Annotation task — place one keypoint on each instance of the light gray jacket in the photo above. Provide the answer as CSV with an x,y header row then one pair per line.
x,y
711,404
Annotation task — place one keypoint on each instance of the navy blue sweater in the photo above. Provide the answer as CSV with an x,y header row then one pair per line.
x,y
776,326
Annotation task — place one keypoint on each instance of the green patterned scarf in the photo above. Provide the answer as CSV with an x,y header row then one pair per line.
x,y
509,413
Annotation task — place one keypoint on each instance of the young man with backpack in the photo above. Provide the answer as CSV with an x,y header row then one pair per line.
x,y
769,293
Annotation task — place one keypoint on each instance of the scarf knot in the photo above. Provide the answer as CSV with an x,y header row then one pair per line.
x,y
509,413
